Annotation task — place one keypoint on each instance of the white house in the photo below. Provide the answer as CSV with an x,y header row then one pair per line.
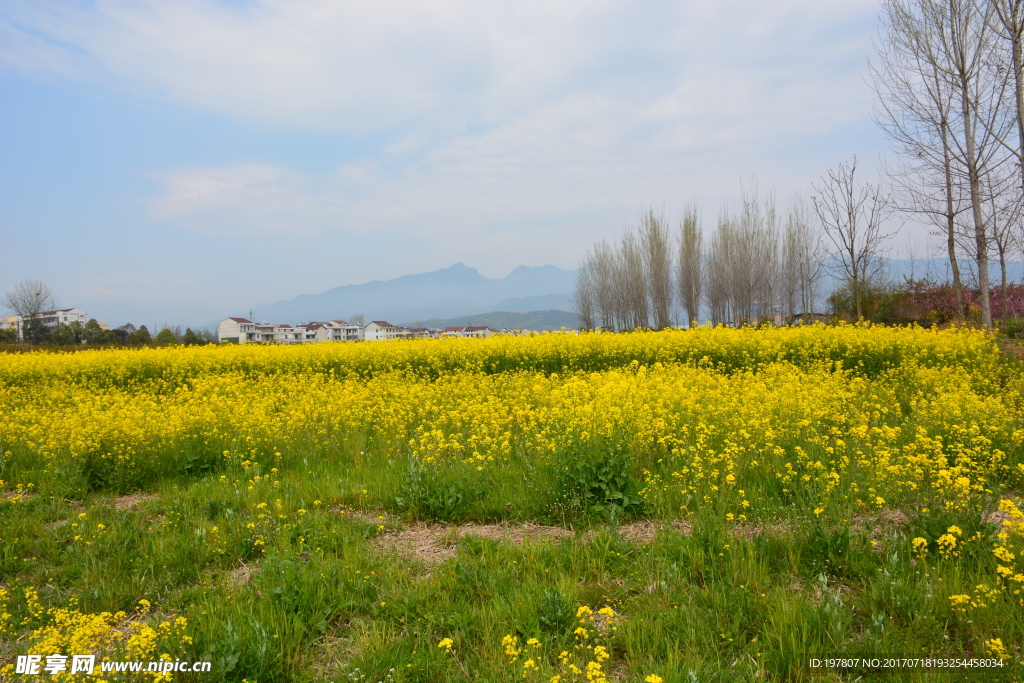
x,y
379,330
472,331
51,319
236,330
334,330
243,330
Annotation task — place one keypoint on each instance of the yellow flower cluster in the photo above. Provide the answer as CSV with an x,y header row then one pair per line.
x,y
585,663
109,636
775,406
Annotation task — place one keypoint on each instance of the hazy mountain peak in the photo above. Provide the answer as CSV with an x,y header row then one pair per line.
x,y
444,293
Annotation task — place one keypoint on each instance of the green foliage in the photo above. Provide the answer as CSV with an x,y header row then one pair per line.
x,y
556,616
828,551
140,336
596,477
94,334
440,493
68,334
165,338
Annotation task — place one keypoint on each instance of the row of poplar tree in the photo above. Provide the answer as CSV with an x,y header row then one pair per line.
x,y
758,263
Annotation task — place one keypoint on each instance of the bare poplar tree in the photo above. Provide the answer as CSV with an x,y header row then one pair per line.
x,y
851,215
585,295
657,252
605,299
915,107
27,300
690,268
720,263
965,44
631,284
800,261
1007,20
1003,215
754,258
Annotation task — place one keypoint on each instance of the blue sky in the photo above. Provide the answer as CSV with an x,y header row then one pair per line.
x,y
183,161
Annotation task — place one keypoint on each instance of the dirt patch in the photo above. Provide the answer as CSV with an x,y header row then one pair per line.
x,y
131,500
433,545
239,576
644,531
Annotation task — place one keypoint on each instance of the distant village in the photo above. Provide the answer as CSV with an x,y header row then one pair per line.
x,y
243,330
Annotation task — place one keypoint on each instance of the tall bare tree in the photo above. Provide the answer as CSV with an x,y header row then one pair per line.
x,y
800,262
1007,21
584,298
631,284
602,261
852,215
690,267
720,262
1003,212
915,107
657,255
965,43
27,300
943,87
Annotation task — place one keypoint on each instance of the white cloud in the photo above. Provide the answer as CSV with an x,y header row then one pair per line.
x,y
500,121
358,67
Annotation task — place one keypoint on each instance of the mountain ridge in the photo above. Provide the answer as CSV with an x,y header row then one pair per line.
x,y
444,293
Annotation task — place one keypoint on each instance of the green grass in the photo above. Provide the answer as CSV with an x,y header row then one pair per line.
x,y
325,601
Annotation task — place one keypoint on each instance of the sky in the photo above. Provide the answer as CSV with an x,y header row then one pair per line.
x,y
185,161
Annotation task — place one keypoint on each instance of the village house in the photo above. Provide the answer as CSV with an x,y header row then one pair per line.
x,y
379,330
471,331
243,330
51,319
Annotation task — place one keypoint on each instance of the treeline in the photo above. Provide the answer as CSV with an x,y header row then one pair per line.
x,y
758,264
75,334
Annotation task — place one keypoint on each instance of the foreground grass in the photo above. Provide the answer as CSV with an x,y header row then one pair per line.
x,y
804,507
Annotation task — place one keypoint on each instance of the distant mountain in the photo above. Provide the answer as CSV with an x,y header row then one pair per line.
x,y
532,320
444,293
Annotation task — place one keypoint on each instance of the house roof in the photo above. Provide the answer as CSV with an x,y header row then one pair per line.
x,y
339,322
382,323
241,320
288,326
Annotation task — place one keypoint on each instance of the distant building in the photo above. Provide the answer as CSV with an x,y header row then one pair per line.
x,y
333,330
422,333
379,330
470,331
243,331
51,319
236,330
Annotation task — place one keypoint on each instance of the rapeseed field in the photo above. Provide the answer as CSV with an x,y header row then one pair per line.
x,y
712,504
